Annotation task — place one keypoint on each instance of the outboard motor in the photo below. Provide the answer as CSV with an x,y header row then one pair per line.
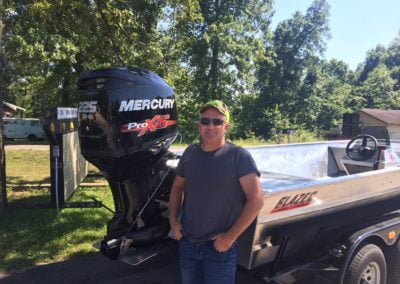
x,y
127,121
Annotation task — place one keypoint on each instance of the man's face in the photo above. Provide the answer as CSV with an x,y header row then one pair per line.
x,y
212,133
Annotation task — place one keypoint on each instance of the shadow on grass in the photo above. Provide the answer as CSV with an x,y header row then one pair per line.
x,y
19,197
25,142
31,236
17,180
163,268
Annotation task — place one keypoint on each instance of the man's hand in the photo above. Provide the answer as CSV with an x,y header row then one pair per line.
x,y
223,242
175,202
176,228
254,202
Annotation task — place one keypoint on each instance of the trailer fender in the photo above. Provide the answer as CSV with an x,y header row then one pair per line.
x,y
387,231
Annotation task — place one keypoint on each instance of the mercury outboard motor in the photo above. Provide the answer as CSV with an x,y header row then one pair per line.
x,y
127,121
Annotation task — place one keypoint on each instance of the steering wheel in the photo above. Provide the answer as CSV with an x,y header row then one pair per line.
x,y
362,148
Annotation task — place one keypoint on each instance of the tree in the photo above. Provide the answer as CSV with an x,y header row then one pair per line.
x,y
288,69
377,90
393,61
51,42
374,58
218,42
323,96
332,92
3,189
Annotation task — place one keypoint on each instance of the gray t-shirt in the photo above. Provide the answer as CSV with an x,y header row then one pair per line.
x,y
213,197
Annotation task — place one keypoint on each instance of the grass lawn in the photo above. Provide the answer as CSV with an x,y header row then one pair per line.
x,y
27,166
32,236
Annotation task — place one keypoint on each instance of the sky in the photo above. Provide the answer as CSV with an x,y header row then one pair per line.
x,y
356,25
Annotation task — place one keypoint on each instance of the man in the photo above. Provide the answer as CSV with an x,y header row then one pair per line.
x,y
219,194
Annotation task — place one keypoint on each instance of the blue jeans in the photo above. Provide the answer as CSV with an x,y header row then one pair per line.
x,y
200,263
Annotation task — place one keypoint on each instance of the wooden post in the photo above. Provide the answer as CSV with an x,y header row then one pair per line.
x,y
3,189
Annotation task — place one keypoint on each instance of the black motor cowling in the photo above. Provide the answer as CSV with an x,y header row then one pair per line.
x,y
127,121
125,113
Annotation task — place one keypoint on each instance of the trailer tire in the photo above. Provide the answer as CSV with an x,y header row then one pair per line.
x,y
368,265
394,264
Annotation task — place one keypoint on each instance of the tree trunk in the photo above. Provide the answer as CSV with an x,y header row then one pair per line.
x,y
3,189
214,72
214,69
65,92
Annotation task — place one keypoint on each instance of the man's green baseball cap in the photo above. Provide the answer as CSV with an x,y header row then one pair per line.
x,y
219,106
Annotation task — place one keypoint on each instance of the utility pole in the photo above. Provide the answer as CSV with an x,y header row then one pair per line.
x,y
3,189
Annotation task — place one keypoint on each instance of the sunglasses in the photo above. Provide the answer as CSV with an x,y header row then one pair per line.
x,y
215,121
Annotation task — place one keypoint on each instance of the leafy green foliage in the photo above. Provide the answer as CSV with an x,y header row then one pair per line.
x,y
48,44
218,44
208,49
284,91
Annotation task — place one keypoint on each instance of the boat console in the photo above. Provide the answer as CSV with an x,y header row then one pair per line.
x,y
369,151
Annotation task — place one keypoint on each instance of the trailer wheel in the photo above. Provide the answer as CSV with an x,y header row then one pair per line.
x,y
394,264
367,266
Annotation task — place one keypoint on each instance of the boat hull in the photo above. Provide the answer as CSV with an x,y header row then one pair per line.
x,y
308,214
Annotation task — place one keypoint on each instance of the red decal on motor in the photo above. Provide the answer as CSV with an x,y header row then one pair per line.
x,y
152,125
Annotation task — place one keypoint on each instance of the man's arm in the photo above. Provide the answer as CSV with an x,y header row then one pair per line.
x,y
254,202
175,203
